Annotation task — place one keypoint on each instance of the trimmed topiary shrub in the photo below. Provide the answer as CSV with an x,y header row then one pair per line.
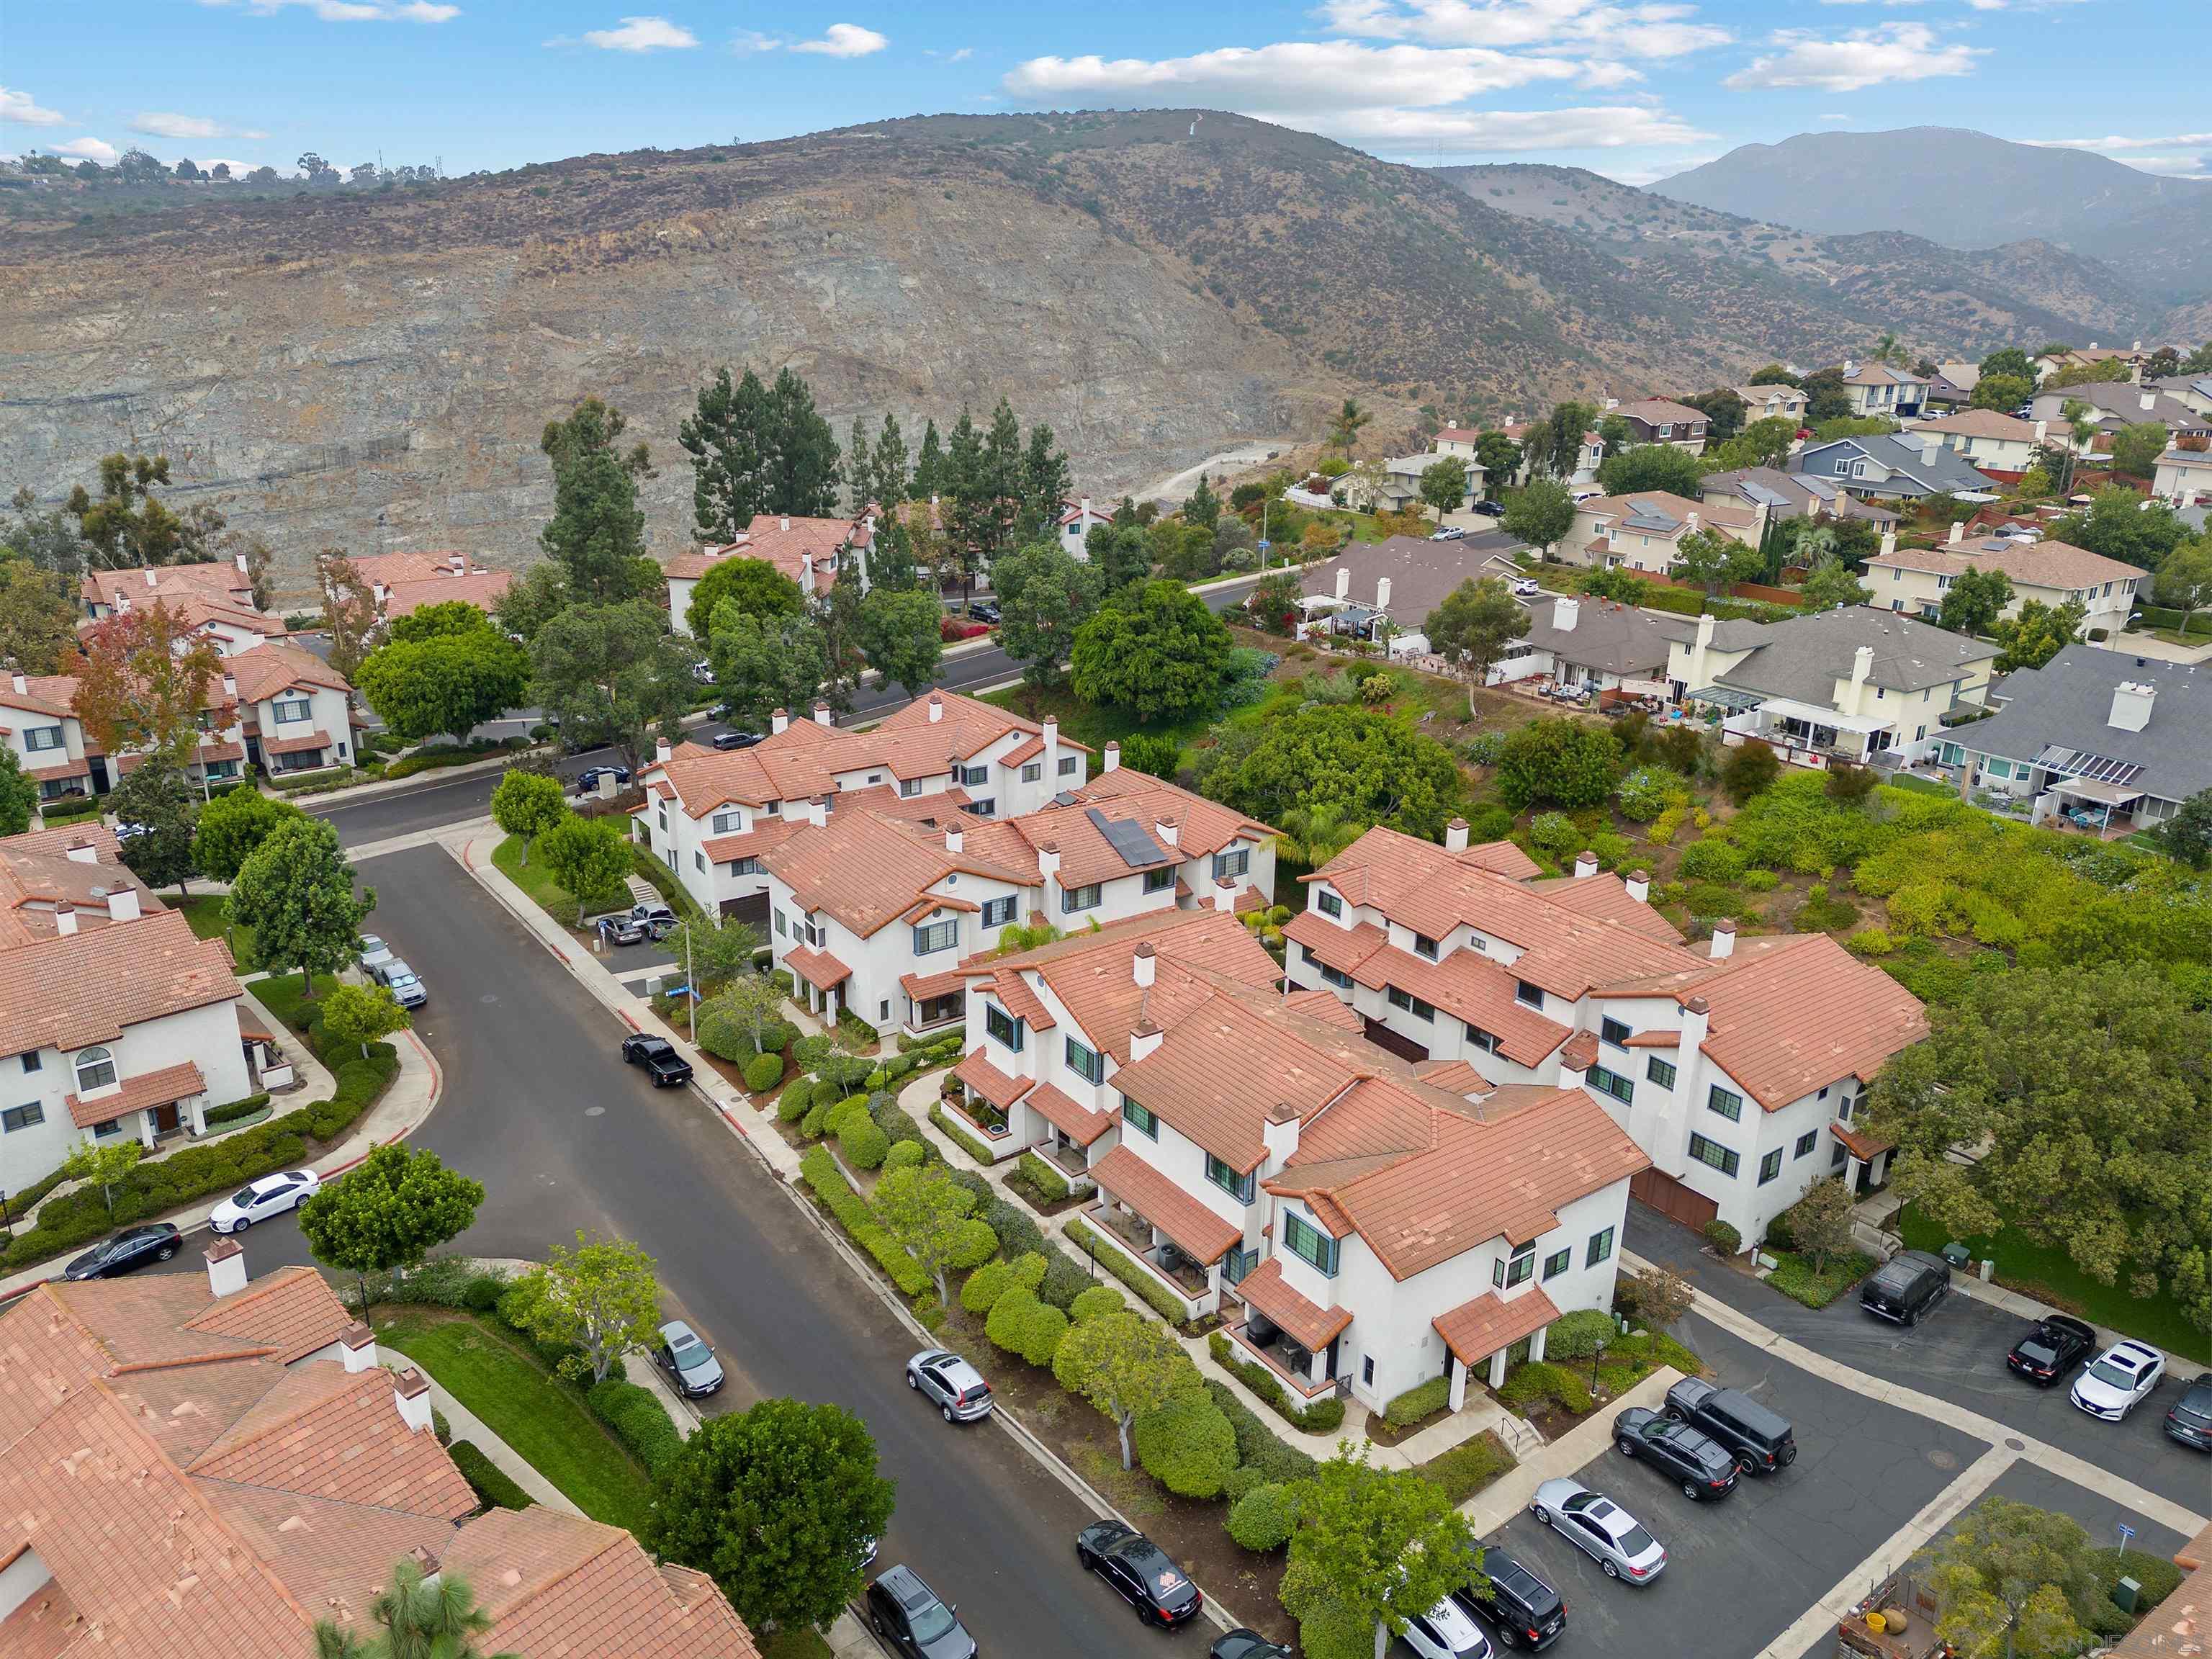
x,y
1063,1279
865,1146
1723,1237
1329,1629
975,1244
1709,859
816,1119
792,1103
994,1279
1262,1519
1187,1445
1010,1317
1540,1382
1416,1403
1098,1299
1575,1335
909,1154
763,1072
1042,1327
1258,1446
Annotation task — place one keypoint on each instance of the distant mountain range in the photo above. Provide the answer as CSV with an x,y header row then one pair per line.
x,y
1967,190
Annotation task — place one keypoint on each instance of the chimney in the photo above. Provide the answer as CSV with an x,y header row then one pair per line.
x,y
954,840
821,714
1343,583
1167,831
1564,613
817,811
1931,446
1850,366
1706,620
1144,966
357,1347
411,1391
239,560
2131,706
1383,594
787,523
1888,543
226,1266
83,851
1113,756
1585,865
1639,885
779,721
1084,506
1697,1020
1225,897
1048,860
662,750
1690,522
936,708
150,576
1724,939
1456,836
1279,1134
64,918
1571,1075
1143,1040
1958,531
1051,750
2041,427
1862,666
123,904
21,681
230,687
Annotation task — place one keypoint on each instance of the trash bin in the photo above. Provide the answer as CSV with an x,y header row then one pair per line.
x,y
1957,1255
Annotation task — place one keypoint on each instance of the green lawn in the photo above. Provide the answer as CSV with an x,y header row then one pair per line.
x,y
525,1405
1092,725
534,880
1923,786
803,1642
2048,1275
203,915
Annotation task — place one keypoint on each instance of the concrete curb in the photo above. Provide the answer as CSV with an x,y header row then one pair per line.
x,y
422,780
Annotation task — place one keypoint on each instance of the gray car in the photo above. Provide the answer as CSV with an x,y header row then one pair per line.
x,y
397,977
374,953
1600,1528
956,1388
688,1360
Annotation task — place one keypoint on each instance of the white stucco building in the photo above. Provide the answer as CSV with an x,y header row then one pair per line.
x,y
1914,579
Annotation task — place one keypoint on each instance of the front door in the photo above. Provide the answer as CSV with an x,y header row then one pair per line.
x,y
167,1120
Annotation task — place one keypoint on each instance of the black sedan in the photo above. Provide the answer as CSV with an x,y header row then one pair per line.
x,y
736,739
667,1068
1704,1466
134,1246
1140,1571
1241,1644
2051,1348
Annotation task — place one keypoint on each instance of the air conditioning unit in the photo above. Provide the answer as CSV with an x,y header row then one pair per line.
x,y
1170,1258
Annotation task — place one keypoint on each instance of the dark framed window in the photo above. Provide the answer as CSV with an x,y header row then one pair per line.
x,y
1557,1263
972,775
998,912
32,1062
1239,1185
1329,903
1084,897
1726,1102
1004,1028
1613,1032
1233,862
1612,1083
1159,880
1601,1247
1033,771
1140,1120
1713,1153
1660,1071
1770,1166
1335,976
1086,1063
1068,763
21,1117
1836,1158
1531,994
936,936
1482,1039
1309,1244
1805,1142
1424,947
1518,1268
1238,1263
1412,1004
909,788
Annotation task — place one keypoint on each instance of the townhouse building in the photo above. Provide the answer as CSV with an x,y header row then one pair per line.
x,y
1663,420
214,599
2184,476
1792,495
114,1019
1735,1068
403,583
1914,579
293,711
809,551
2114,406
1386,590
1593,642
1781,402
1361,1229
39,722
1077,520
1644,530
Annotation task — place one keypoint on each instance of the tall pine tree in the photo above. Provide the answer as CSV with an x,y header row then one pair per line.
x,y
1045,482
724,438
597,534
970,510
887,467
802,459
859,468
1002,479
929,479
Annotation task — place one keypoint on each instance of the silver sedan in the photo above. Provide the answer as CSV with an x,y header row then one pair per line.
x,y
1600,1528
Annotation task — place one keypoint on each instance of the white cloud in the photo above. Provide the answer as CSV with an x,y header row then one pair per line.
x,y
844,40
21,107
1644,30
1864,57
2116,143
1835,118
162,124
89,150
423,11
1469,132
959,57
351,11
642,34
1292,79
2178,166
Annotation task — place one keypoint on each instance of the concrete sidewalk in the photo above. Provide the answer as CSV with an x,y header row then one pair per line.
x,y
1507,1496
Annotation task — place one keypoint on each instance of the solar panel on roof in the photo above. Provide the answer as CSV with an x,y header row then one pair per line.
x,y
1138,849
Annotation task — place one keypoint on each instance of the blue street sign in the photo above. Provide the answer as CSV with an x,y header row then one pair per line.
x,y
2126,1532
1264,546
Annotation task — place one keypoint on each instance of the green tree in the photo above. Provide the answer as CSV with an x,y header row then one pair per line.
x,y
1346,425
1765,442
349,612
362,1014
1821,1222
613,674
1749,770
776,1505
2135,449
1714,562
928,483
590,858
445,669
49,541
525,805
1274,604
1614,582
889,475
421,1618
157,797
1162,655
532,600
801,465
725,436
751,999
928,1212
968,511
1045,596
231,826
1724,410
129,524
2008,1578
2037,635
38,618
1383,1545
715,949
2105,372
2120,525
601,1300
597,533
763,664
2187,835
19,796
1202,507
754,585
2184,581
1312,835
1499,458
2001,393
1974,601
103,1163
1473,625
1120,553
1539,513
1443,485
900,637
387,1213
1045,484
2009,359
1651,466
1371,766
1830,584
1126,1366
1553,444
1826,398
1561,761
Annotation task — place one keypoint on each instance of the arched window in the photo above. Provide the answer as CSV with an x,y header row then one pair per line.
x,y
95,1069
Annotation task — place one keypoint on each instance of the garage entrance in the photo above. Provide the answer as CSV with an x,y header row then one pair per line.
x,y
1383,1037
1673,1200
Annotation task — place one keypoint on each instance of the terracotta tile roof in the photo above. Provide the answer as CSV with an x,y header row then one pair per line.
x,y
162,1088
480,589
220,579
293,1312
2178,1626
1079,1122
788,544
60,769
1861,1145
1473,988
1605,897
767,834
1476,1330
817,967
1205,826
986,1079
314,742
1028,750
42,694
1021,1002
266,669
1306,1323
1455,1077
1654,1039
330,1433
868,869
1324,1006
1501,858
925,987
74,991
1194,1230
332,1557
2041,563
201,613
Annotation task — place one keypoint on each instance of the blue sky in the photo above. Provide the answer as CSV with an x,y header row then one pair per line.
x,y
1634,89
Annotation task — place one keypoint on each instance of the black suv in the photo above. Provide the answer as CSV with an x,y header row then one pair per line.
x,y
657,1055
2189,1420
906,1613
1907,1286
1523,1610
1706,1468
1761,1440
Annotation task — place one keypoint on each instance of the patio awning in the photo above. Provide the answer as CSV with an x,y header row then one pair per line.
x,y
1067,1115
981,1077
2106,794
162,1088
1864,1147
1728,697
1306,1323
1194,1229
817,967
1476,1330
928,987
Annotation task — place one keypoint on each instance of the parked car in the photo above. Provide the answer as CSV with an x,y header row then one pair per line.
x,y
655,917
1241,1644
1705,1469
1445,1632
955,1387
1527,587
258,1200
1762,1441
2118,1380
906,1614
374,953
1489,509
2052,1347
1907,1286
1523,1610
134,1246
667,1068
1451,533
688,1360
702,671
983,610
1140,1571
2189,1420
621,930
736,739
1600,1528
587,781
397,977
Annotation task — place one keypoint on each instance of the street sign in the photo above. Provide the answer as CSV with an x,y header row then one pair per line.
x,y
2126,1532
1265,545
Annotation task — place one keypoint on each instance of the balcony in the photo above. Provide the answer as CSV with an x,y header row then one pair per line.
x,y
1278,1356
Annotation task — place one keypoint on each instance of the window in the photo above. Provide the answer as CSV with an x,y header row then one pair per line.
x,y
1770,1166
1726,1102
1424,947
745,866
32,1062
1068,763
1557,1263
998,912
1239,1187
725,823
782,932
1482,1039
42,737
1086,1063
1531,994
1080,898
105,1131
698,860
21,1117
1660,1071
1835,1158
1611,1082
1844,1109
909,788
1140,1120
1335,976
95,1069
974,775
936,936
1367,1369
1005,1029
1614,1032
1712,1152
1032,772
1159,880
291,711
1232,863
1805,1142
1516,1269
1327,902
1309,1244
1238,1263
1601,1247
1412,1004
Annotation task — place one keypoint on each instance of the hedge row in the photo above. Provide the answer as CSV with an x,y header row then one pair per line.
x,y
1539,1382
1320,1417
638,1419
237,1109
1259,1447
820,1172
1043,1175
1424,1400
1156,1296
962,1138
486,1479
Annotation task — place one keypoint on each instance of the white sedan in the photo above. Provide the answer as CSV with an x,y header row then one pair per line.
x,y
257,1201
2117,1380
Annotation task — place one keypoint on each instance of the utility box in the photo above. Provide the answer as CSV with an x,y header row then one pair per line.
x,y
1957,1255
2127,1595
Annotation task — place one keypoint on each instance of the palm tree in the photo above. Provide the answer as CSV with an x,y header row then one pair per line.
x,y
420,1617
1344,426
1312,835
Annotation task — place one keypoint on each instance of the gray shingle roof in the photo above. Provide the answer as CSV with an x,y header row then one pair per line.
x,y
2068,704
1616,639
1421,572
1804,657
1945,475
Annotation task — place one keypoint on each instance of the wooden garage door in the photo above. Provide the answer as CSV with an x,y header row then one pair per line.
x,y
1383,1037
1672,1199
